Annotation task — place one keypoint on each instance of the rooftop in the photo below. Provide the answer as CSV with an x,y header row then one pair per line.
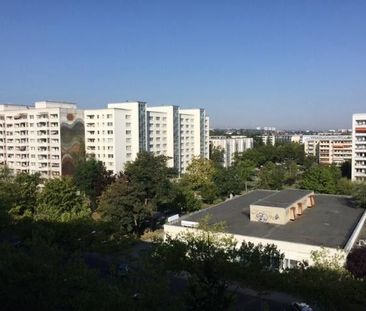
x,y
330,223
283,198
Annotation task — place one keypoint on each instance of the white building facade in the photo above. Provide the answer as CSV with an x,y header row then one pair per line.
x,y
231,146
43,138
359,147
194,136
329,149
116,134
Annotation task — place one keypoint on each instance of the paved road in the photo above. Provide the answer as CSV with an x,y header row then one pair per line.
x,y
246,300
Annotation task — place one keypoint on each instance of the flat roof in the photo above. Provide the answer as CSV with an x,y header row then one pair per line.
x,y
283,198
330,223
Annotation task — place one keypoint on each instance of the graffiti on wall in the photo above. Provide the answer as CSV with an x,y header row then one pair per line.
x,y
263,217
72,142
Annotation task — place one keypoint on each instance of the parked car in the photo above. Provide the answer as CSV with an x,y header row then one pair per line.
x,y
301,306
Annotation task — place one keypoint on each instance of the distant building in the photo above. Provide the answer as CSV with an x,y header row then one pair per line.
x,y
268,139
231,146
329,149
44,138
296,221
359,147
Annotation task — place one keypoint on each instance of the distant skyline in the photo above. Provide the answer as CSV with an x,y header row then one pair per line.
x,y
284,64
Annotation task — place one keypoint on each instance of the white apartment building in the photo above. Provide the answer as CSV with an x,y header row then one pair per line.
x,y
163,128
194,136
329,149
116,134
41,139
268,139
359,147
231,146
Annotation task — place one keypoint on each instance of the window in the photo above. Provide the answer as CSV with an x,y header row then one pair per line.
x,y
110,156
128,132
109,116
109,123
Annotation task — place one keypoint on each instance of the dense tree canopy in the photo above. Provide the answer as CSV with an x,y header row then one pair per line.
x,y
123,204
356,262
60,200
359,194
91,177
271,176
217,155
150,176
320,178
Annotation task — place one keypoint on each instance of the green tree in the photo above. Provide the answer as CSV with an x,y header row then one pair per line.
x,y
291,172
150,176
212,260
121,203
344,186
184,199
207,258
346,169
320,178
291,152
227,181
254,156
356,262
26,189
217,155
245,170
60,200
91,177
271,176
200,176
359,194
7,195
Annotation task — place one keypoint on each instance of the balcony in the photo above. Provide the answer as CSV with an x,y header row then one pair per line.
x,y
360,130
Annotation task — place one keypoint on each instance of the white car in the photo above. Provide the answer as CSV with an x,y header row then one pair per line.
x,y
301,306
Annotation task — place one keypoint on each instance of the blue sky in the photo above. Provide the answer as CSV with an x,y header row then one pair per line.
x,y
288,64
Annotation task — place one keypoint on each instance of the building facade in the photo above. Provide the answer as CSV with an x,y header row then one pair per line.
x,y
359,147
268,139
194,136
116,134
44,138
231,146
329,149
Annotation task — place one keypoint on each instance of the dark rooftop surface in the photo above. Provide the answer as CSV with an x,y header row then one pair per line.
x,y
330,223
283,198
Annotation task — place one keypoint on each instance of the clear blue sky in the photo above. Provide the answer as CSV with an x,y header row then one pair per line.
x,y
288,64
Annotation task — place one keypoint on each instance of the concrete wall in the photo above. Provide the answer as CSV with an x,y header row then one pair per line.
x,y
267,214
292,251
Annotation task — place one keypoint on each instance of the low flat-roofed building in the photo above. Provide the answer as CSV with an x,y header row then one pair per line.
x,y
333,222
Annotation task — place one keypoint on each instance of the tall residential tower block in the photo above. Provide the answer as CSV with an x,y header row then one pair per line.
x,y
359,147
116,134
44,138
